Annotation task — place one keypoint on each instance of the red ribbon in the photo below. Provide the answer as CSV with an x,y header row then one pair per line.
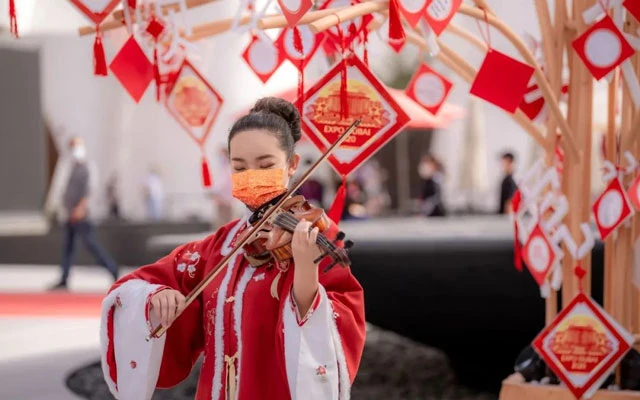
x,y
99,59
297,44
337,208
517,247
397,36
13,20
156,71
344,91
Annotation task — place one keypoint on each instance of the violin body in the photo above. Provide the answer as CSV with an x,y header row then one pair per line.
x,y
273,240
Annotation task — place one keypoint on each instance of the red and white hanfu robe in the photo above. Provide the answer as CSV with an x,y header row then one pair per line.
x,y
255,344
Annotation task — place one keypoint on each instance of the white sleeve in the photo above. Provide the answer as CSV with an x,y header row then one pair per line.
x,y
125,324
315,361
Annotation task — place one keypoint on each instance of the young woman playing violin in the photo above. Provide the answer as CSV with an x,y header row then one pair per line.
x,y
269,328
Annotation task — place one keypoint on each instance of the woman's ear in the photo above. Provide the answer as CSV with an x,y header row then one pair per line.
x,y
293,164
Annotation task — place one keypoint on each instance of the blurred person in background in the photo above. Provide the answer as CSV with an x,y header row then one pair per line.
x,y
78,178
432,174
112,197
153,194
312,189
372,178
508,185
354,205
221,190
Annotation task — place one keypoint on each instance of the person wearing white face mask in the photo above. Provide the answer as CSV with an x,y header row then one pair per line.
x,y
76,209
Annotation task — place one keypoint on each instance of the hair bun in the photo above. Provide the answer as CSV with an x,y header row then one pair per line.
x,y
282,108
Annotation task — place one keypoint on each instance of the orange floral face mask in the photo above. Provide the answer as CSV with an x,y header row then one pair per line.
x,y
255,187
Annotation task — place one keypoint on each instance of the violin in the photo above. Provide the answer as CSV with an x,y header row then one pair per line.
x,y
283,223
273,240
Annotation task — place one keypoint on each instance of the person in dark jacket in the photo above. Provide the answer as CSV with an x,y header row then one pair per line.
x,y
432,174
508,186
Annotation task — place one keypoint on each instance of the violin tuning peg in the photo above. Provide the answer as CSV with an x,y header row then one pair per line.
x,y
340,236
320,257
348,244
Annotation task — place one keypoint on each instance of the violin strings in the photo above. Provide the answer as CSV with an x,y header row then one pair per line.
x,y
290,222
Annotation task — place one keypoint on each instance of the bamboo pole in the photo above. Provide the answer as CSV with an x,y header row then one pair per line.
x,y
610,146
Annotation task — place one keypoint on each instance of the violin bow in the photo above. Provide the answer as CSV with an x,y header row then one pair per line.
x,y
160,329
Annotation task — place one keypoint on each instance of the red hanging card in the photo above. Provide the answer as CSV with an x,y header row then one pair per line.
x,y
429,89
502,81
413,10
539,255
193,102
382,117
633,6
310,44
583,345
440,12
263,58
293,10
634,193
133,69
602,47
612,208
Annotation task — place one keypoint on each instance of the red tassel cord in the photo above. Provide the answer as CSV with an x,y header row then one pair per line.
x,y
156,72
13,20
337,208
132,4
517,247
99,59
365,44
297,44
344,90
397,36
206,174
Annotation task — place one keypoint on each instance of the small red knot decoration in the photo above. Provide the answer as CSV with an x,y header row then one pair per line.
x,y
579,271
133,364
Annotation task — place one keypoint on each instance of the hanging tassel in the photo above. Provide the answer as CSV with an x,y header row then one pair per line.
x,y
13,20
344,92
297,44
365,43
397,36
337,208
517,247
132,4
156,71
99,59
206,175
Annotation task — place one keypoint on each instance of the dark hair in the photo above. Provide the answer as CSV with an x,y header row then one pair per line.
x,y
508,156
275,115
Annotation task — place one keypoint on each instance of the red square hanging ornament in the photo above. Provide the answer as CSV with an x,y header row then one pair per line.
x,y
263,57
429,89
293,10
583,345
323,121
439,14
133,69
413,10
539,255
602,47
310,44
502,81
193,102
633,6
612,208
634,193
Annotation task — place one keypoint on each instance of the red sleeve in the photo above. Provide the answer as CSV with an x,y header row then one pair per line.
x,y
181,270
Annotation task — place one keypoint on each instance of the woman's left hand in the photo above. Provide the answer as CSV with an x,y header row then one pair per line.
x,y
303,245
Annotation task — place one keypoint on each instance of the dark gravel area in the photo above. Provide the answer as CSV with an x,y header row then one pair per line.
x,y
392,368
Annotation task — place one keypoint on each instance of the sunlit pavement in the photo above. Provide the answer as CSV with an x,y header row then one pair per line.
x,y
44,336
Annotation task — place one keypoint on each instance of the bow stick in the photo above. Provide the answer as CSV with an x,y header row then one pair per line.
x,y
160,330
